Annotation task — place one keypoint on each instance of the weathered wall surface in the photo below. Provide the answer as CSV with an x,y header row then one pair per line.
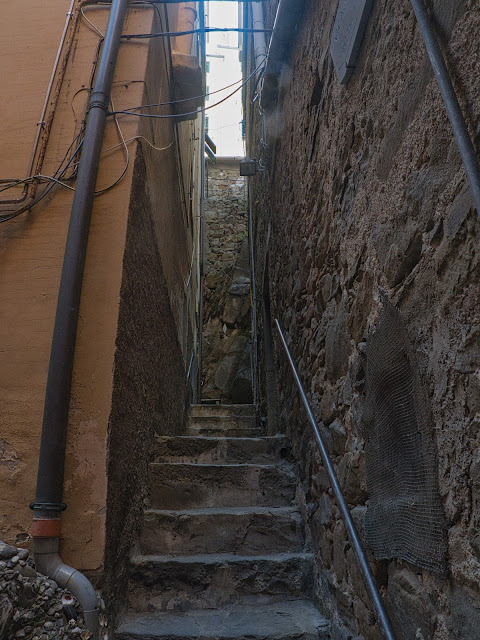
x,y
149,395
31,248
369,194
157,323
226,358
119,361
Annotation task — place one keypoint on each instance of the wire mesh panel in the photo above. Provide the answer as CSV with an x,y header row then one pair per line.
x,y
404,517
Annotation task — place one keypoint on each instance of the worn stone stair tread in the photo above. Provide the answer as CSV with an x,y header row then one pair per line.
x,y
234,420
233,431
185,438
218,417
261,465
223,537
284,620
217,558
220,449
216,465
180,485
239,530
224,511
205,581
237,410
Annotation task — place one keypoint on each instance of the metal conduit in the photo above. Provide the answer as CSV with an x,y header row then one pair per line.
x,y
360,554
460,131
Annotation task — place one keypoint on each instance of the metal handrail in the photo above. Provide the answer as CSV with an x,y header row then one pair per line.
x,y
360,553
253,294
454,111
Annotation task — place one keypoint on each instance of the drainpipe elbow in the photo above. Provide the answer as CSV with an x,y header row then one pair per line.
x,y
49,563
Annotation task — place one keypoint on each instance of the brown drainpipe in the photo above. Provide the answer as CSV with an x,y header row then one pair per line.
x,y
48,503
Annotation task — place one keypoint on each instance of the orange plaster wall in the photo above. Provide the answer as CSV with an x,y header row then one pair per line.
x,y
31,253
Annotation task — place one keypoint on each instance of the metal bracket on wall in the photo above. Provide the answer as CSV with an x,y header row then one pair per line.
x,y
348,31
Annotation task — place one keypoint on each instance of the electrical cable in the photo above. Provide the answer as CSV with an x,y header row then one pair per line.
x,y
41,177
97,30
164,104
181,115
127,157
7,217
137,138
176,34
102,35
53,178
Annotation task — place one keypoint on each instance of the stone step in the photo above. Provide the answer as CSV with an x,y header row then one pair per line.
x,y
239,530
221,410
228,426
198,486
284,620
206,450
164,583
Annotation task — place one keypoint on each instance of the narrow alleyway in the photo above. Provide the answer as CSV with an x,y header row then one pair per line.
x,y
222,552
240,395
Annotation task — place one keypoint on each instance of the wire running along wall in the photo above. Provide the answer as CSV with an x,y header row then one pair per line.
x,y
404,517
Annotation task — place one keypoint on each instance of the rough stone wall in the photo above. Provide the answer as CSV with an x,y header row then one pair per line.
x,y
226,359
368,194
31,605
149,394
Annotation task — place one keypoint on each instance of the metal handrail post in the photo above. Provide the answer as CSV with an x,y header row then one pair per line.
x,y
360,553
455,115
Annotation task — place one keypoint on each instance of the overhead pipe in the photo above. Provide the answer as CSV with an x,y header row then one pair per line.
x,y
48,503
455,115
288,15
381,613
259,40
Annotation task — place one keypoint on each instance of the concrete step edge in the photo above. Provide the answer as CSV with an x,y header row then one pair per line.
x,y
284,619
219,558
225,511
277,437
203,465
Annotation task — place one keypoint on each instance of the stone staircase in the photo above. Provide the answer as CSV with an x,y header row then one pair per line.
x,y
222,554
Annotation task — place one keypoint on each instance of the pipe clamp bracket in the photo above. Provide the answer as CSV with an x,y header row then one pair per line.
x,y
48,506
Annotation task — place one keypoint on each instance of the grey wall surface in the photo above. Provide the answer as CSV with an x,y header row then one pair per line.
x,y
365,195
